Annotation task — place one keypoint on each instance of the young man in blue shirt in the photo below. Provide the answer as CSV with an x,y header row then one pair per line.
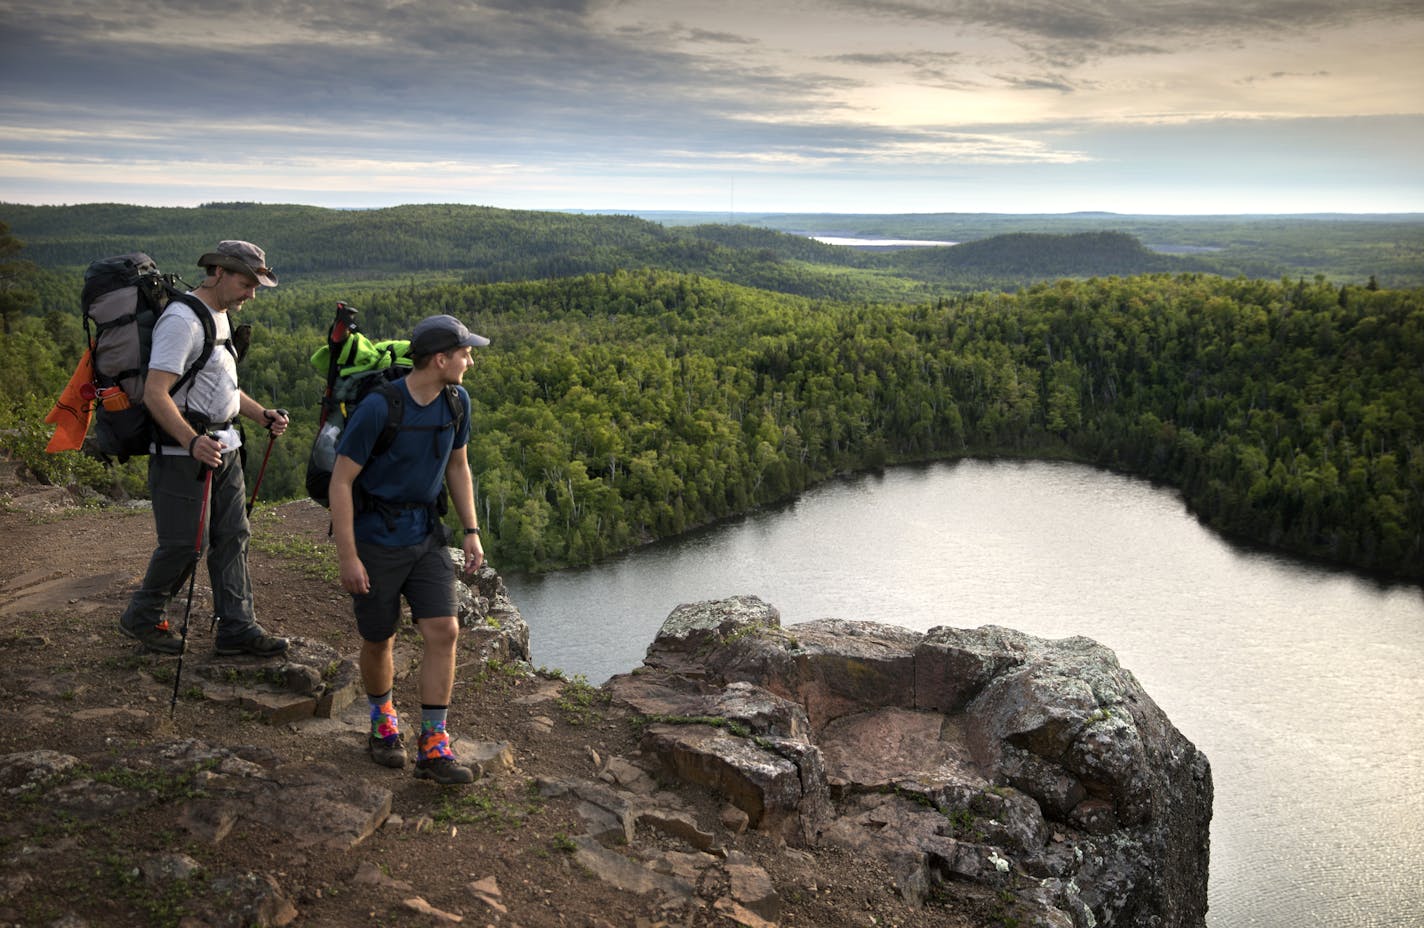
x,y
391,543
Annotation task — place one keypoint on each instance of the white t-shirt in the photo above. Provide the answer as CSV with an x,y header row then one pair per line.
x,y
212,391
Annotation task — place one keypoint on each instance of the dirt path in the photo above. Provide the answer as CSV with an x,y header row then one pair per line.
x,y
73,685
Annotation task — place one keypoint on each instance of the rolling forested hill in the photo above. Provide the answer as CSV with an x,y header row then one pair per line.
x,y
485,245
1081,254
1347,248
644,380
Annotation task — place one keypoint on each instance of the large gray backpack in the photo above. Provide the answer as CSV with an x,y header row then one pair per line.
x,y
122,299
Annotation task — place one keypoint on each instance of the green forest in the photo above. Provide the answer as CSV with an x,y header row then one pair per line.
x,y
644,380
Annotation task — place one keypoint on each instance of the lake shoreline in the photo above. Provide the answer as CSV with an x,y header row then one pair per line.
x,y
1228,640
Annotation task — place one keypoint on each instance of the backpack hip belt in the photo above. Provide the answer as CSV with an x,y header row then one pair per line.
x,y
200,423
364,501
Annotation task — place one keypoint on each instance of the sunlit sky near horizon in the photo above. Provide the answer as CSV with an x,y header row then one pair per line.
x,y
1226,106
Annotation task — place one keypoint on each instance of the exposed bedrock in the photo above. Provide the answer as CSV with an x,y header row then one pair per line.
x,y
977,761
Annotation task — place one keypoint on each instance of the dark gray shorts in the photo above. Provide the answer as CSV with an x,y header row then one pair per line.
x,y
424,574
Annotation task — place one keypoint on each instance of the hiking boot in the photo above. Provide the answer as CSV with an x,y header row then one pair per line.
x,y
160,637
435,761
257,643
388,752
446,771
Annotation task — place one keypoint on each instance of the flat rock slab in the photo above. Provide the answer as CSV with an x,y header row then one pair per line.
x,y
875,750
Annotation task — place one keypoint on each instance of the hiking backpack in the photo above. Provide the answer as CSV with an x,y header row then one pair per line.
x,y
123,297
355,369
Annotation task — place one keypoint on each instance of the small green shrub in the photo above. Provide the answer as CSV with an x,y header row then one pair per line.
x,y
579,701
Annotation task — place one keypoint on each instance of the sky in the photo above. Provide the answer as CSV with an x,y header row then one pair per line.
x,y
727,106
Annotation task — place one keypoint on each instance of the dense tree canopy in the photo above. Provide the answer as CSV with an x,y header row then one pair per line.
x,y
614,408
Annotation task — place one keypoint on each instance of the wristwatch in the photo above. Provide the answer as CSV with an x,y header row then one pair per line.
x,y
472,531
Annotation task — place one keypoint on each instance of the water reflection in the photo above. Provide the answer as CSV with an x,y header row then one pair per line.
x,y
1299,683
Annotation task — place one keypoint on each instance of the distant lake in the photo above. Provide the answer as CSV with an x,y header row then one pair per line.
x,y
1301,684
854,242
1185,249
877,242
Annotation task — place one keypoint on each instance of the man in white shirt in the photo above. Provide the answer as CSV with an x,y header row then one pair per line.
x,y
195,430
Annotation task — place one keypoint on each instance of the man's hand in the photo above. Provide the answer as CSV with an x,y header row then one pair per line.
x,y
207,450
474,554
276,420
353,576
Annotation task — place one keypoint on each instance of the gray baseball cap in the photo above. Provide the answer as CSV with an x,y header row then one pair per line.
x,y
242,257
435,334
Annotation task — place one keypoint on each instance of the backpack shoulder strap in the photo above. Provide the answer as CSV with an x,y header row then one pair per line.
x,y
451,394
452,400
395,412
210,337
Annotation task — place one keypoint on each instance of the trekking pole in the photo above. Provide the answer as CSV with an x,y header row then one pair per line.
x,y
345,322
192,579
263,470
342,326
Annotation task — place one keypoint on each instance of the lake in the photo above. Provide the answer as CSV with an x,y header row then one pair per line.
x,y
1301,683
878,242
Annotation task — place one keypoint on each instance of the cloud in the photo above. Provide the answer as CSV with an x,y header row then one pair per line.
x,y
1281,75
1060,36
718,38
430,69
380,96
1058,84
927,68
894,59
1131,20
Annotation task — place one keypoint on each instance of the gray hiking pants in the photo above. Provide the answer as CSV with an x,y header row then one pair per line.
x,y
175,484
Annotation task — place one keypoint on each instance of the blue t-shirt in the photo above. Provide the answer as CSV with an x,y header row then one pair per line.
x,y
411,470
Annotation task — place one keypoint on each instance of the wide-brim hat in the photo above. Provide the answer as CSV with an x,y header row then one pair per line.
x,y
242,257
435,334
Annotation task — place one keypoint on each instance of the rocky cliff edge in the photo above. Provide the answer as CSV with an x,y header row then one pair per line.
x,y
979,760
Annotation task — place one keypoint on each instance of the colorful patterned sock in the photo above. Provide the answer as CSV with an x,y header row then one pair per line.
x,y
384,722
434,742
